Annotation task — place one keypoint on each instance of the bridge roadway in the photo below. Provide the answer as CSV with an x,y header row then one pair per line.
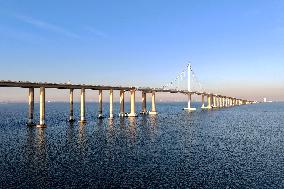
x,y
213,100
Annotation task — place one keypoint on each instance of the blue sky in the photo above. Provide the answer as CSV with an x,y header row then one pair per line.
x,y
233,45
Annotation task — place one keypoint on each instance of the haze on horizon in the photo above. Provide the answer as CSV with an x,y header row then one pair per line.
x,y
235,47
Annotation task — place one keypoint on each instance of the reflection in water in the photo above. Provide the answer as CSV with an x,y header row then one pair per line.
x,y
70,133
36,157
153,120
143,120
82,137
110,132
132,129
100,123
153,127
41,156
29,151
122,123
110,122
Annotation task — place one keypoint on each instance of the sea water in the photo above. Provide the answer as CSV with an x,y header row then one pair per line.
x,y
238,147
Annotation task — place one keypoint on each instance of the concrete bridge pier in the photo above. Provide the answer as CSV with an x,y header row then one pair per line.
x,y
31,107
203,106
214,101
209,105
217,102
121,101
132,104
144,106
153,110
42,108
226,101
71,112
189,108
83,103
110,104
220,102
100,112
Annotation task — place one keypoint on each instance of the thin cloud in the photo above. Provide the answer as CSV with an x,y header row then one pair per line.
x,y
47,26
96,32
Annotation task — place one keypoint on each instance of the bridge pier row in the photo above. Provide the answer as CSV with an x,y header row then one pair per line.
x,y
42,108
100,112
71,110
189,108
144,106
202,100
111,104
121,102
153,108
132,104
83,108
31,107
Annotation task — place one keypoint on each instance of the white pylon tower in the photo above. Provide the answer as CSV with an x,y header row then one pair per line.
x,y
189,90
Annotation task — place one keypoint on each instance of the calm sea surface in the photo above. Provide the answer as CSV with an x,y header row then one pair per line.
x,y
240,147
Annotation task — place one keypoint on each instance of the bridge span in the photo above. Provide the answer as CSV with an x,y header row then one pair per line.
x,y
213,100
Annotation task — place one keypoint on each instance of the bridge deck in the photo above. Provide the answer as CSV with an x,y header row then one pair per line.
x,y
27,84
